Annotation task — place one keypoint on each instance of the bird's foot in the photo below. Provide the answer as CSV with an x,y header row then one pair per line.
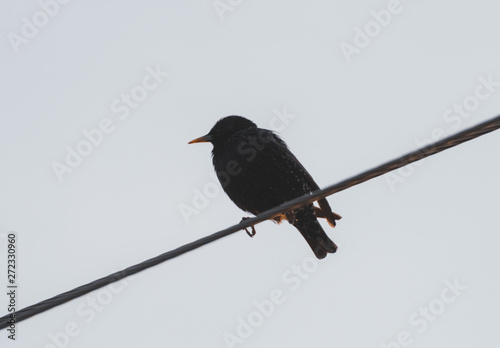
x,y
252,232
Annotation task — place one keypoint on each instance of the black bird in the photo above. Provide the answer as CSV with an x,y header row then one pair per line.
x,y
258,172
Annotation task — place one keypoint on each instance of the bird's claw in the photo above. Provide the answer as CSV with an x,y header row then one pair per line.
x,y
252,232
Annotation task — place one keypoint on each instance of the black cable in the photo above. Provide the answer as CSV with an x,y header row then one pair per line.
x,y
402,161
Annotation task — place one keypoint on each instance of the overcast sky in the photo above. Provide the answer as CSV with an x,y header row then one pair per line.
x,y
101,98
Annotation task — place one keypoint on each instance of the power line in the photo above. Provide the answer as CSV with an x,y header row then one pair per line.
x,y
429,150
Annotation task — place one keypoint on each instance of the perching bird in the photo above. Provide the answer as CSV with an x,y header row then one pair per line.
x,y
258,172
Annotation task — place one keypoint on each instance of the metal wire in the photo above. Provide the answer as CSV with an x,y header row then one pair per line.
x,y
429,150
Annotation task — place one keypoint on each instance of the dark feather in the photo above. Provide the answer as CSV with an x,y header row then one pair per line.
x,y
258,172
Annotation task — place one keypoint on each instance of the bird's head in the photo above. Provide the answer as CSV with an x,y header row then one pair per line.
x,y
224,128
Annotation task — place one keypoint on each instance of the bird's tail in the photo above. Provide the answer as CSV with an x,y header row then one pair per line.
x,y
307,224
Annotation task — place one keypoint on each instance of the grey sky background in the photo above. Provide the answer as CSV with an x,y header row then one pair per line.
x,y
423,238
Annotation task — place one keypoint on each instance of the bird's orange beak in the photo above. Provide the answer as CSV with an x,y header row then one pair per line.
x,y
204,139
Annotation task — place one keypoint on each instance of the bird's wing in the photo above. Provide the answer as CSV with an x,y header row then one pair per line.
x,y
279,147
